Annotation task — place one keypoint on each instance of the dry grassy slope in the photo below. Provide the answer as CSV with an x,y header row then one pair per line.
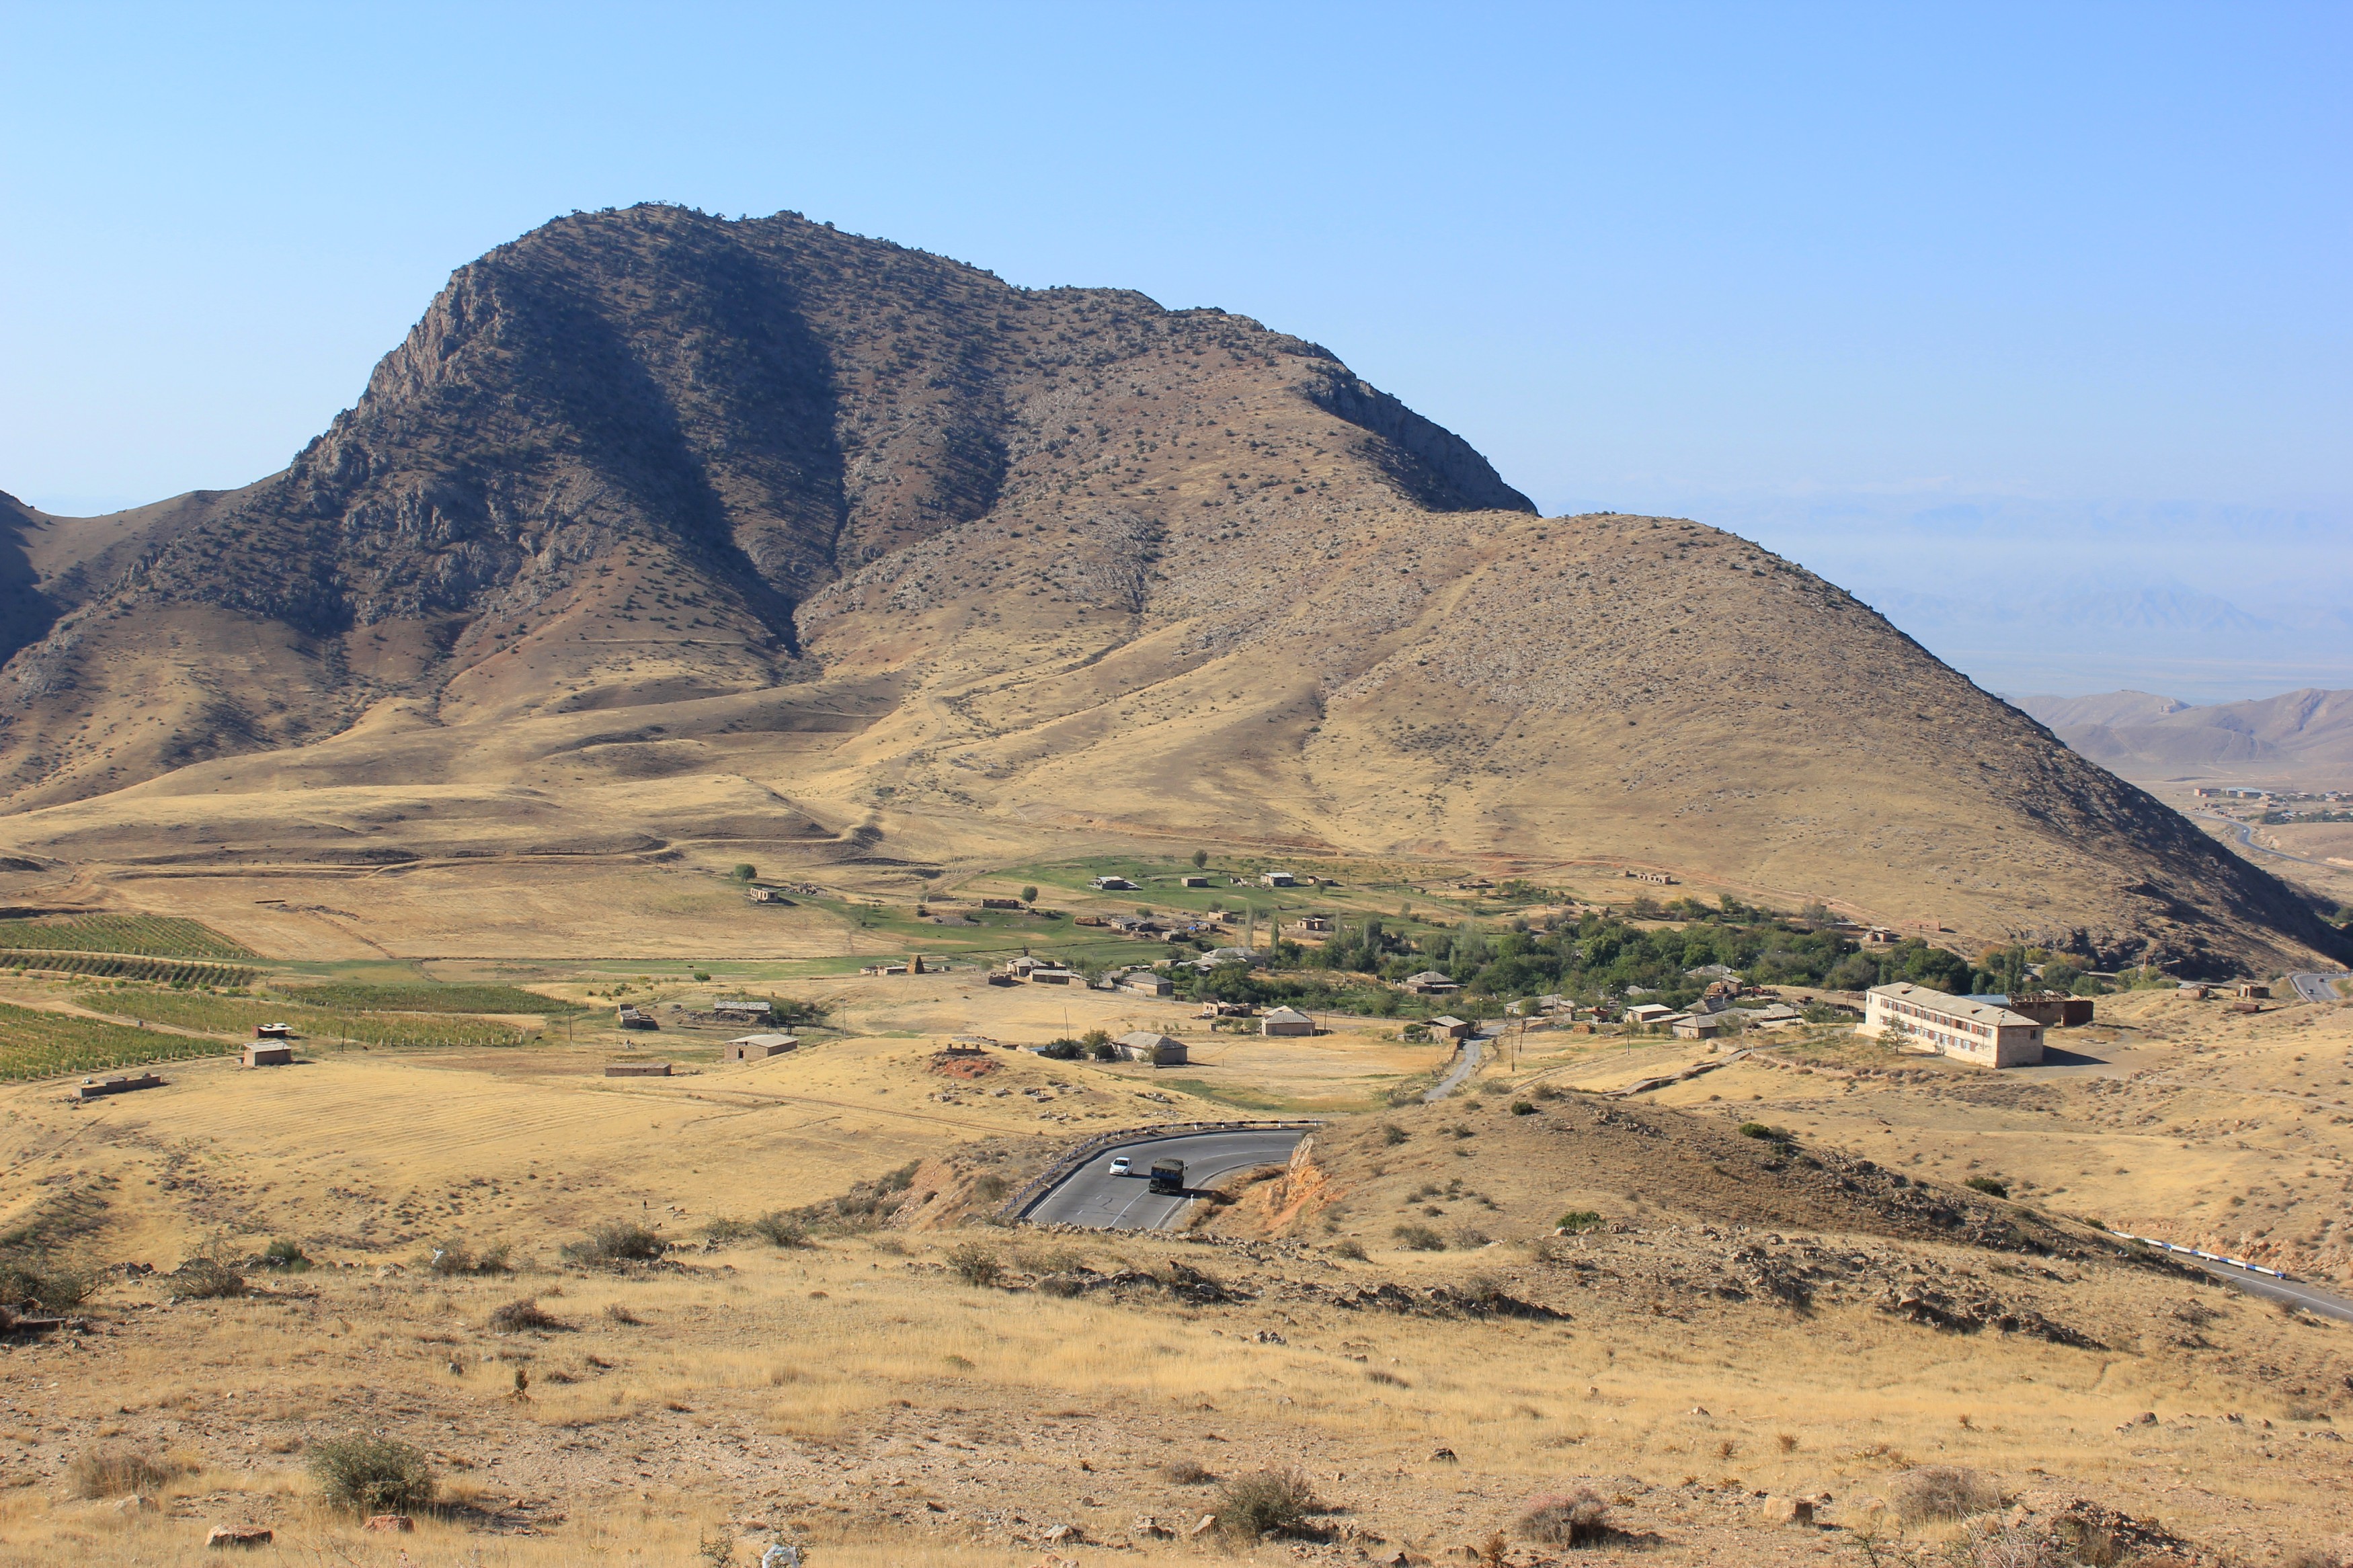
x,y
665,530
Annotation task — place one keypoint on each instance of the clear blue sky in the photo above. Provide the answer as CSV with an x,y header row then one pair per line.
x,y
1745,262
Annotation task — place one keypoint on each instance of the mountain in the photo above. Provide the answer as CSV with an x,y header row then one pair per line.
x,y
663,534
2109,707
2305,736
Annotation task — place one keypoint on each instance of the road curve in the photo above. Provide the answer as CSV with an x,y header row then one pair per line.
x,y
2246,836
1091,1195
2326,1303
2314,986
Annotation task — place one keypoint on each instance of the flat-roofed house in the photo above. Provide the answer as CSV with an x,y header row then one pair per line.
x,y
1648,1013
757,1047
1450,1027
1956,1027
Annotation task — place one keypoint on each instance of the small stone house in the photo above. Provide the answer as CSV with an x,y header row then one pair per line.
x,y
1277,880
1431,983
1046,975
1447,1026
269,1054
1697,1027
1286,1020
758,1048
1150,1046
1145,983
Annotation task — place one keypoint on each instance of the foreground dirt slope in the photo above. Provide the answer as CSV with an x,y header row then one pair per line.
x,y
667,532
1731,1329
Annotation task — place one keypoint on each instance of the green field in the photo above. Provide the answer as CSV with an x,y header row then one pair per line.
x,y
41,1045
237,1015
424,996
143,936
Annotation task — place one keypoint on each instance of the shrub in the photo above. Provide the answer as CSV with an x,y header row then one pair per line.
x,y
1545,1091
616,1313
454,1257
518,1316
1759,1130
1578,1220
723,1231
1941,1492
373,1475
1419,1238
989,1189
1265,1502
975,1265
1570,1519
1029,895
1392,1134
702,975
284,1254
207,1279
118,1472
615,1241
781,1230
1350,1248
744,871
1523,1108
1062,1050
51,1286
1187,1473
1988,1185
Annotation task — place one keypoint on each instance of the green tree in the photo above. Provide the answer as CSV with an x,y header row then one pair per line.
x,y
1200,858
744,871
1029,895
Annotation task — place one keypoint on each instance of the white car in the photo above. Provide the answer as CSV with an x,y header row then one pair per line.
x,y
1119,1167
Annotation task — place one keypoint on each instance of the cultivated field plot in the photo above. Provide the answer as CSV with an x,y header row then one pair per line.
x,y
44,1044
238,1015
144,936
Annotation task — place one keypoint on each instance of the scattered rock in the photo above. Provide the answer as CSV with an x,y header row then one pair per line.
x,y
1208,1522
392,1522
1444,1457
1788,1510
1066,1534
1152,1529
140,1504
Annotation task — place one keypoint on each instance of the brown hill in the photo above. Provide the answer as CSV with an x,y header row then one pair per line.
x,y
2305,736
663,532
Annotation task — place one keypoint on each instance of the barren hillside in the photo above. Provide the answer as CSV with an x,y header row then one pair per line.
x,y
663,534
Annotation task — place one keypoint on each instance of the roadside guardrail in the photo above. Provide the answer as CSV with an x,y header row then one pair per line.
x,y
2210,1257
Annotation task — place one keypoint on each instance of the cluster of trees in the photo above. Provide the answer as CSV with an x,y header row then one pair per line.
x,y
1599,956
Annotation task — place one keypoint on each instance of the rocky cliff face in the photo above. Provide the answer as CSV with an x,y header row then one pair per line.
x,y
1059,559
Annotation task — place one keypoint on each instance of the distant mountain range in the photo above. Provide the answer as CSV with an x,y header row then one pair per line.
x,y
2305,735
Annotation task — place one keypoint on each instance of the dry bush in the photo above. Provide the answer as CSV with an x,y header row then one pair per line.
x,y
781,1230
373,1475
1265,1502
454,1257
2000,1546
722,1232
38,1283
615,1241
1568,1518
975,1265
1419,1238
616,1313
517,1316
1941,1492
118,1472
1188,1473
1350,1248
207,1279
990,1188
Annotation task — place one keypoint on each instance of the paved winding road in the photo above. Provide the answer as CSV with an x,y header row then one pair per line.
x,y
2247,839
2318,987
1091,1195
2312,1299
